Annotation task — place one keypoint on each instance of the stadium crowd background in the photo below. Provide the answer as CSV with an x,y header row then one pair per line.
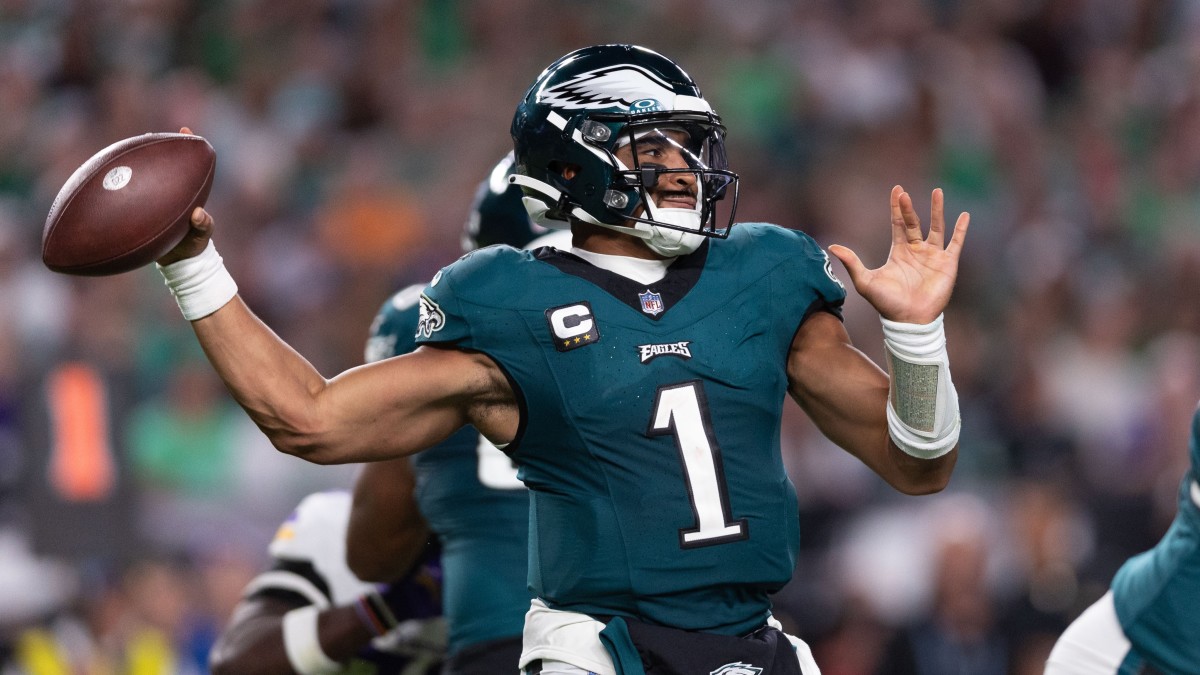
x,y
136,499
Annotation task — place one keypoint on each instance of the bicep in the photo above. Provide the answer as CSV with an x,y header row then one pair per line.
x,y
405,404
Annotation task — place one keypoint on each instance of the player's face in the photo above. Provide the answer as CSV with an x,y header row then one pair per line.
x,y
667,149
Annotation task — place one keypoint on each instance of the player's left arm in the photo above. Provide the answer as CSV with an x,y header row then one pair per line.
x,y
387,533
905,426
845,394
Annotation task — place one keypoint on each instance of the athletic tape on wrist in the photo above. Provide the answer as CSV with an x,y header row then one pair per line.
x,y
922,411
201,284
303,645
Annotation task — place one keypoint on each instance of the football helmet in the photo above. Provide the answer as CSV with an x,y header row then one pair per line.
x,y
497,215
583,109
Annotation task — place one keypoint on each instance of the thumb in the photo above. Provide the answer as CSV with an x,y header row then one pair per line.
x,y
850,260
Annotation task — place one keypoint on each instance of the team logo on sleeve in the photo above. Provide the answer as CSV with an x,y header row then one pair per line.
x,y
432,318
680,349
652,303
829,270
572,326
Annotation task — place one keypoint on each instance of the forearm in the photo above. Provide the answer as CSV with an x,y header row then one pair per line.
x,y
846,396
255,643
276,386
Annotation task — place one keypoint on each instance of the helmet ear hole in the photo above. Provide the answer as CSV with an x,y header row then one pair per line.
x,y
565,170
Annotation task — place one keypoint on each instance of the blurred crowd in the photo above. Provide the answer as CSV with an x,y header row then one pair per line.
x,y
136,499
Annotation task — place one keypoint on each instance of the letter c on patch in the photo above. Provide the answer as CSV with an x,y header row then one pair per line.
x,y
571,321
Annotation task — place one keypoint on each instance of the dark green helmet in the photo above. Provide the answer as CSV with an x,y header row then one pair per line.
x,y
591,102
497,215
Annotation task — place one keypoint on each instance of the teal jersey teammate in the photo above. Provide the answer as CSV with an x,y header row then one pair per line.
x,y
469,494
1150,619
466,490
709,336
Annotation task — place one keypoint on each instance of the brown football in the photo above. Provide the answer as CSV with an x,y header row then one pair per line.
x,y
128,205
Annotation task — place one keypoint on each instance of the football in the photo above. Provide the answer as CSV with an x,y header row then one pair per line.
x,y
128,205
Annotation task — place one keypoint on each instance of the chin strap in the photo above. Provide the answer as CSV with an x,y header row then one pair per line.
x,y
664,241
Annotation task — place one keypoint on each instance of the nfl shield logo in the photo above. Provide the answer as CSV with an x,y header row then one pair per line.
x,y
652,303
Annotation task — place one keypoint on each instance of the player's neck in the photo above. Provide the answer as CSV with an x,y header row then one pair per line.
x,y
610,242
618,253
640,270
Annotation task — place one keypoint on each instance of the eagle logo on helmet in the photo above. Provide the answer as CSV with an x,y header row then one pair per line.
x,y
619,85
737,669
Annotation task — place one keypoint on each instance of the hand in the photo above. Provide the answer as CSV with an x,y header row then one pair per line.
x,y
196,239
915,283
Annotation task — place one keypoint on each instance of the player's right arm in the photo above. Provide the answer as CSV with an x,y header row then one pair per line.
x,y
377,411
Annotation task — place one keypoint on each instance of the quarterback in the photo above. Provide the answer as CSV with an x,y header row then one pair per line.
x,y
661,517
466,489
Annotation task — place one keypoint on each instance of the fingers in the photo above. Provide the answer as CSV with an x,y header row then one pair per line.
x,y
912,222
906,224
201,220
937,218
960,234
186,130
898,236
850,260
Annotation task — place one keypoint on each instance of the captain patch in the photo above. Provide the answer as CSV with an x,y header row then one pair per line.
x,y
572,326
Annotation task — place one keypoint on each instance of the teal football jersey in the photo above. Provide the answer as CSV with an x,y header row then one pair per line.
x,y
650,423
1157,593
469,493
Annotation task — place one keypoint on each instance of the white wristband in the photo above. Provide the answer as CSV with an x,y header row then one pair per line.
x,y
922,410
201,284
302,644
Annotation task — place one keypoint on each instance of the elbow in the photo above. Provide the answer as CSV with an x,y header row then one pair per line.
x,y
303,437
367,567
916,476
920,488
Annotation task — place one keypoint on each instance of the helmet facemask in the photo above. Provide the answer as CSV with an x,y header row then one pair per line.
x,y
649,156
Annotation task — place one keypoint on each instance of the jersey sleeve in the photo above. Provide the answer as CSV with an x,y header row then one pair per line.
x,y
803,274
393,332
459,306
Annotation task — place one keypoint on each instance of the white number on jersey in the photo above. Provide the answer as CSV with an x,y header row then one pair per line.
x,y
496,469
682,410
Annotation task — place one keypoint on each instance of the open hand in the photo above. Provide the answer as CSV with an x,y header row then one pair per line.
x,y
915,283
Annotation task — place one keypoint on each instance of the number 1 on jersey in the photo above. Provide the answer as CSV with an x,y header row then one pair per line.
x,y
682,411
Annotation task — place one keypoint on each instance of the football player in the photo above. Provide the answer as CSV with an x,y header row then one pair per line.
x,y
310,615
1149,620
466,488
637,380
